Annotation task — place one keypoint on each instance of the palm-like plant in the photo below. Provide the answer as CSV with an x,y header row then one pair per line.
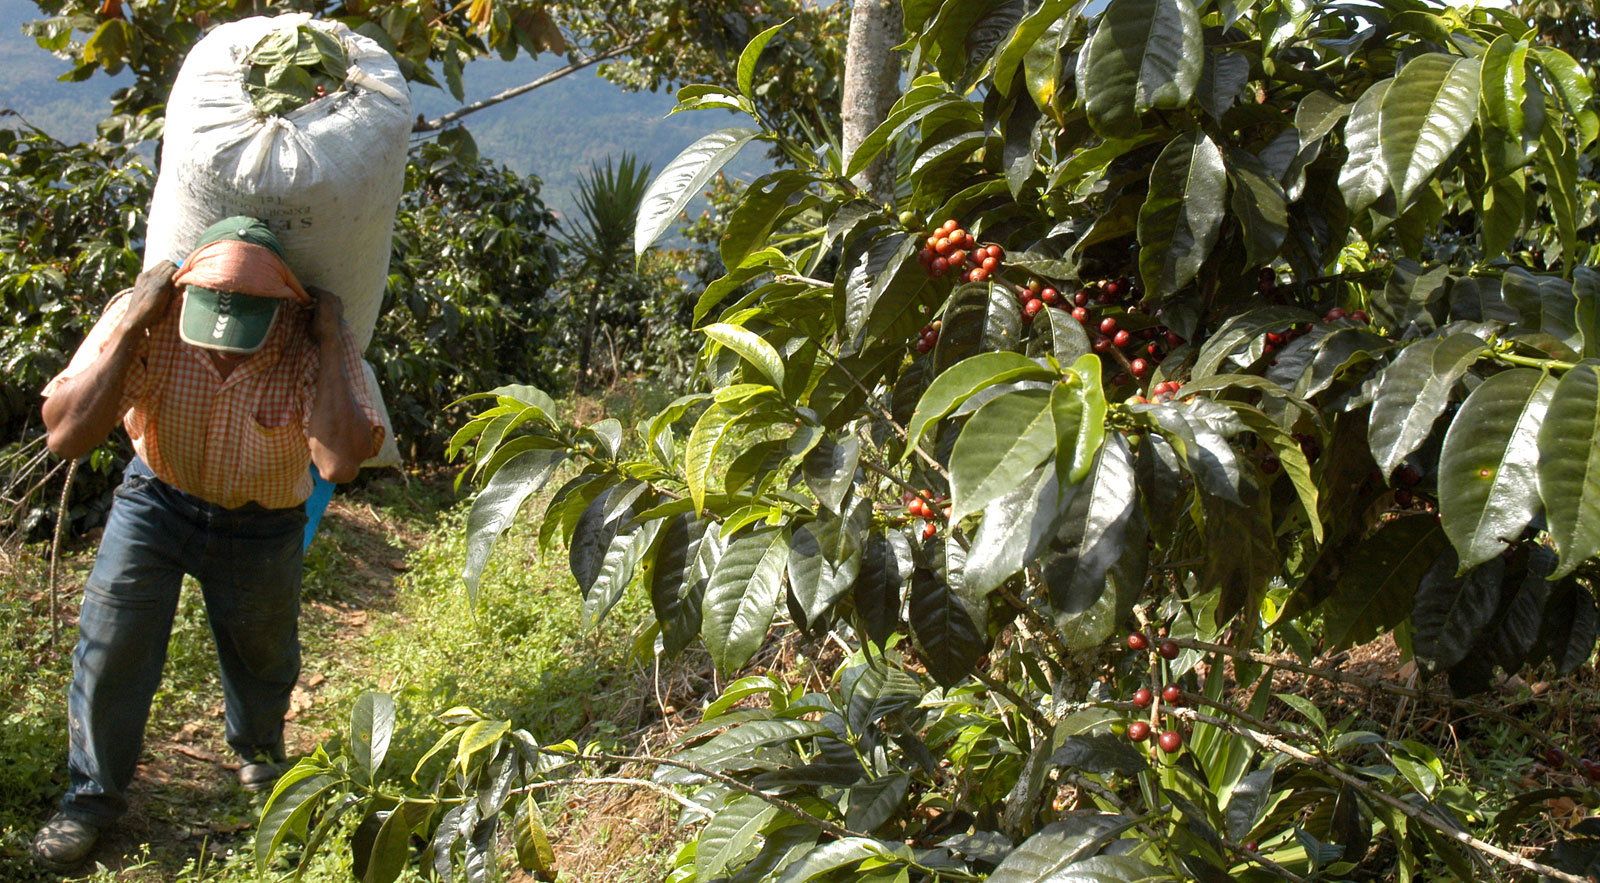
x,y
608,202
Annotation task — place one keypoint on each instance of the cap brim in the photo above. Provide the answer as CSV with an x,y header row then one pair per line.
x,y
225,321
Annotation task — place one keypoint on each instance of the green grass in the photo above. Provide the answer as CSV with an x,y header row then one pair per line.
x,y
384,608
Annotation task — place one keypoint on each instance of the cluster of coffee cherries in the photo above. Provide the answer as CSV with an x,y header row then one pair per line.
x,y
1407,477
928,337
1169,741
1161,392
1276,339
953,248
930,508
1557,759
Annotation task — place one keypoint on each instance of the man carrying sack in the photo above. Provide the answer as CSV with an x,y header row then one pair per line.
x,y
229,390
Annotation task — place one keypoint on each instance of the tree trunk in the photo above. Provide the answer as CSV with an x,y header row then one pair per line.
x,y
871,85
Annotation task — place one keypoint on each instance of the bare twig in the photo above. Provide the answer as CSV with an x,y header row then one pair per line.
x,y
883,413
1340,677
438,123
1273,743
55,548
663,790
1038,717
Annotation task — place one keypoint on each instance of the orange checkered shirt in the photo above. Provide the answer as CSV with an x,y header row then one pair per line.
x,y
227,441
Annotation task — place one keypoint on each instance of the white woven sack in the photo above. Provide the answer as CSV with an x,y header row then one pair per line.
x,y
327,176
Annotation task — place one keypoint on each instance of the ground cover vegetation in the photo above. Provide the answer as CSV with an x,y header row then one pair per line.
x,y
1201,343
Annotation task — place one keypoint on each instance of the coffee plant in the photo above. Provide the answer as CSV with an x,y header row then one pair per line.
x,y
1198,326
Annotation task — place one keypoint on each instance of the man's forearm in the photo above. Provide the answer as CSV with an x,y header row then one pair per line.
x,y
340,435
81,413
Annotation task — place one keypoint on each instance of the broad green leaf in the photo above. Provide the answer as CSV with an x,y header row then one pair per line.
x,y
676,581
617,569
1078,410
682,180
926,96
1203,450
1547,304
1586,288
716,423
824,560
1101,869
1567,636
1364,178
1559,163
1505,71
965,379
1413,392
1451,612
979,318
530,839
1182,217
498,504
945,629
1222,81
874,802
749,57
1571,82
1014,529
738,746
742,597
1242,330
1058,847
1425,114
751,347
1306,708
1260,205
835,855
1028,32
1057,335
1142,55
766,204
1242,554
1248,803
1407,293
594,530
1318,114
830,470
885,568
391,848
728,833
371,726
999,445
1375,589
1096,516
1488,479
1569,467
288,812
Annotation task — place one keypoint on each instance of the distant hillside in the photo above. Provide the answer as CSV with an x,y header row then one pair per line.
x,y
554,132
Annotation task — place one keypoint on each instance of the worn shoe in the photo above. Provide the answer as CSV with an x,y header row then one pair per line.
x,y
260,775
64,842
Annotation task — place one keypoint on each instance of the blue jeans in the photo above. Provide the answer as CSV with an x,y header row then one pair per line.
x,y
247,561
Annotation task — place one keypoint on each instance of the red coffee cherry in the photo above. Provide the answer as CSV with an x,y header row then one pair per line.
x,y
1170,742
1108,325
1081,314
1140,367
1142,697
1139,731
1138,641
1172,694
1049,295
1168,650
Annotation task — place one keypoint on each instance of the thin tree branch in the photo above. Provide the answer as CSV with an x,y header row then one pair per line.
x,y
438,123
663,790
883,413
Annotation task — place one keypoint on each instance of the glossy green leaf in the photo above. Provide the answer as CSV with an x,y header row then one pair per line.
x,y
1078,411
1413,392
682,180
832,856
1488,480
1364,178
874,802
1222,82
1097,514
1375,590
700,458
1450,612
687,553
1182,216
371,727
1424,116
824,560
999,445
497,506
965,379
1142,55
885,568
1058,847
751,347
288,812
752,54
1241,330
1505,71
531,841
830,470
617,569
1260,205
738,746
1057,335
980,318
1292,460
1028,32
742,597
729,833
1559,162
1569,467
1013,531
945,629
